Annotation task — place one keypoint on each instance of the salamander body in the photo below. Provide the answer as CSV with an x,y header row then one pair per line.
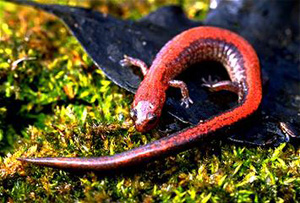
x,y
190,47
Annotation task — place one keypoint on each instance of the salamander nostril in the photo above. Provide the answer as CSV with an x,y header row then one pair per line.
x,y
133,114
151,117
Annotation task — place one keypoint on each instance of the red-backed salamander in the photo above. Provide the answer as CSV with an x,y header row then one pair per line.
x,y
191,46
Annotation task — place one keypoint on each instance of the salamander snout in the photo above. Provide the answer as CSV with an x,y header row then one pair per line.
x,y
144,116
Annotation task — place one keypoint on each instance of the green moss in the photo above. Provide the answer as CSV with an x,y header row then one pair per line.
x,y
60,104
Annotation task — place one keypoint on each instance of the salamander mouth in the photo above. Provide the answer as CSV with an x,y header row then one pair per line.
x,y
144,127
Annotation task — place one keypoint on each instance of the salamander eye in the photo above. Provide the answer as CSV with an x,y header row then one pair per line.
x,y
151,117
133,114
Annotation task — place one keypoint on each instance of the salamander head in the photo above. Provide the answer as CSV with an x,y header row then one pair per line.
x,y
145,115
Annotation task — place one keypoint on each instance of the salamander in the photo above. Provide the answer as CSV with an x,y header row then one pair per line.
x,y
189,47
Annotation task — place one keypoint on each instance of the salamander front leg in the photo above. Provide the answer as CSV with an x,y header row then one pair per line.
x,y
186,100
129,61
215,86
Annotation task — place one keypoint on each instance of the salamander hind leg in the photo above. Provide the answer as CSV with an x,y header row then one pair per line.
x,y
186,100
215,86
129,61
